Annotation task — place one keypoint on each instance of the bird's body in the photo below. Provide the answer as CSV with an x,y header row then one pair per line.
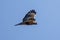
x,y
29,18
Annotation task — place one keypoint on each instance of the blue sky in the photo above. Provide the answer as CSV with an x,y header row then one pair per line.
x,y
48,19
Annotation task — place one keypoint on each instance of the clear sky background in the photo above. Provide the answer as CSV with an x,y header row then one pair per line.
x,y
48,19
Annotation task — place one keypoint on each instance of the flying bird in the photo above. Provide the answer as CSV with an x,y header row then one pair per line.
x,y
29,19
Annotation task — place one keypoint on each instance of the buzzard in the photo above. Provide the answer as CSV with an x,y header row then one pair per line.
x,y
29,18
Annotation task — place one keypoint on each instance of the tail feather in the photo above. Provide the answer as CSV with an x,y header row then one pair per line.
x,y
18,24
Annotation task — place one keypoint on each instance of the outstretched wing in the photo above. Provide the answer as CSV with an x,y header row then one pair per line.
x,y
30,15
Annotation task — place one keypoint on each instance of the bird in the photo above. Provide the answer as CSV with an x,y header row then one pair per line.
x,y
29,18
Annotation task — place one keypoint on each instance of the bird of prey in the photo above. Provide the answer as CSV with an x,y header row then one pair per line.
x,y
29,18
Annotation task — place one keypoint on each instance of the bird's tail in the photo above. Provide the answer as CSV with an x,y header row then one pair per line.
x,y
19,24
